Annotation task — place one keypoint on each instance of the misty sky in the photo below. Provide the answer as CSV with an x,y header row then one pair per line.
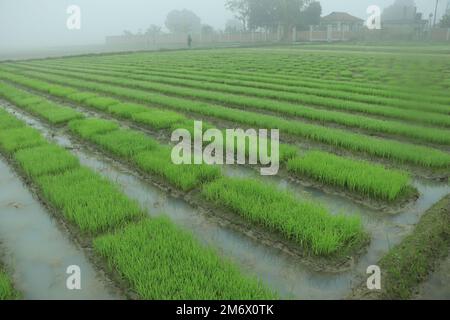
x,y
42,23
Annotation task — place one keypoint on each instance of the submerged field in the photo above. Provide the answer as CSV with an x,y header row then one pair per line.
x,y
365,152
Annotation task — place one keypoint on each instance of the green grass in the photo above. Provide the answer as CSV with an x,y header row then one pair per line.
x,y
163,262
12,140
184,177
383,148
307,223
46,160
7,291
88,200
125,143
86,128
356,176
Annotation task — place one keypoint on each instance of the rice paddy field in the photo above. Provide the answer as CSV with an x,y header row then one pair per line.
x,y
87,177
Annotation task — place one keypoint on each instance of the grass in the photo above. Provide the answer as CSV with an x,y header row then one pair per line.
x,y
409,263
307,223
7,291
184,177
163,262
7,122
124,142
383,148
88,200
86,128
158,259
12,140
46,160
356,176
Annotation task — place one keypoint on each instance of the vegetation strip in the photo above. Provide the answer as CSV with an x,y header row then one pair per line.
x,y
7,291
87,199
382,148
380,184
155,159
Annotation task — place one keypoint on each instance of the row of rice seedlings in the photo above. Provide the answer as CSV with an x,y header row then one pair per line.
x,y
434,135
39,106
165,263
272,105
7,291
64,183
277,92
303,221
149,156
308,79
357,176
144,152
156,119
127,144
382,148
158,259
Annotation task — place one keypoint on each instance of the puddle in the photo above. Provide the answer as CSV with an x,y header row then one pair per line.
x,y
282,272
37,252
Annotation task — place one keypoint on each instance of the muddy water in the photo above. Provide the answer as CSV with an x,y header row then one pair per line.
x,y
36,251
282,272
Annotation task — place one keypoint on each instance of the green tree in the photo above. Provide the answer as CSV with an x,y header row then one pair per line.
x,y
310,16
241,10
183,21
445,21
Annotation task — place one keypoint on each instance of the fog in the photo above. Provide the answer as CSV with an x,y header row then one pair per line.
x,y
42,23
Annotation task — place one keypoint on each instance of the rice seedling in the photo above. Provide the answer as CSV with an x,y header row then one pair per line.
x,y
162,261
12,140
158,119
356,176
45,160
383,148
184,177
101,103
125,143
8,122
7,291
86,128
88,200
308,224
127,110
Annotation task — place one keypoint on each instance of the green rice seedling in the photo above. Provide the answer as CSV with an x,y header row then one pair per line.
x,y
308,224
12,140
86,128
184,177
158,119
357,176
81,97
125,143
88,200
7,121
101,103
27,102
7,291
45,160
60,91
127,110
161,261
53,113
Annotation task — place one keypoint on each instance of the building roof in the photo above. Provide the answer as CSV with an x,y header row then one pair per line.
x,y
341,17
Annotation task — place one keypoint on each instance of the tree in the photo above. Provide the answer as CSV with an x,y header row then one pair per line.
x,y
310,16
207,29
153,30
241,10
233,26
183,21
445,21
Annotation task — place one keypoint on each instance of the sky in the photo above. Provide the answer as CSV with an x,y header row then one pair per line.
x,y
42,23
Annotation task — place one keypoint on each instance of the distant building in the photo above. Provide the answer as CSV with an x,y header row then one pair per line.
x,y
402,19
342,21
